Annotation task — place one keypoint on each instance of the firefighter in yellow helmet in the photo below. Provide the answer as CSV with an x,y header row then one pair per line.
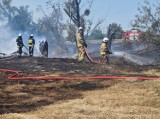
x,y
20,44
104,51
31,43
81,44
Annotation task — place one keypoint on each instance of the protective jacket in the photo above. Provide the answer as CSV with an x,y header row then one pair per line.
x,y
80,40
31,41
19,41
103,49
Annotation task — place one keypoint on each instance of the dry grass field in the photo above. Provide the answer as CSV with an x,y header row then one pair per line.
x,y
83,99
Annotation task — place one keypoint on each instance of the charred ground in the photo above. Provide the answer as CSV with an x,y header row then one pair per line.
x,y
27,96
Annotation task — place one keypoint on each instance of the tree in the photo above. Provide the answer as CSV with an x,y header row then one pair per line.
x,y
114,31
23,21
72,9
17,19
51,24
71,32
96,34
148,21
116,28
7,11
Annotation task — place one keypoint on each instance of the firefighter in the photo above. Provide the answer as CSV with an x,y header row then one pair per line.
x,y
104,51
31,43
81,44
20,44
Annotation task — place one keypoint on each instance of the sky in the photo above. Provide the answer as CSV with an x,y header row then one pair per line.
x,y
118,11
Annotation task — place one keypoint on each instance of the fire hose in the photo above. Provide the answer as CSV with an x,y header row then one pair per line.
x,y
16,73
90,59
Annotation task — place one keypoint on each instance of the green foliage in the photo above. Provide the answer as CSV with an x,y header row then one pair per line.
x,y
73,10
118,35
116,29
51,24
148,21
22,21
18,19
6,2
96,34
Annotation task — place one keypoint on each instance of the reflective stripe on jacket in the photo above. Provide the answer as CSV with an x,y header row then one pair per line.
x,y
31,42
19,41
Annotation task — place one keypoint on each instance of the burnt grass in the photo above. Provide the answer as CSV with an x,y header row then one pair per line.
x,y
27,95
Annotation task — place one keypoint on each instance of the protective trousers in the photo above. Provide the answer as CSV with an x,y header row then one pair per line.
x,y
104,59
31,50
19,50
81,54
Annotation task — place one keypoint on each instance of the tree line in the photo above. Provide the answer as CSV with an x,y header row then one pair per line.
x,y
52,25
148,21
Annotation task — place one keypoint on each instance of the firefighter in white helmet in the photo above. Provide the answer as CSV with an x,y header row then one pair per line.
x,y
81,44
31,43
104,51
20,44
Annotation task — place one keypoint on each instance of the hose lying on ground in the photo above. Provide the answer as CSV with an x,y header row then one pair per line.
x,y
15,73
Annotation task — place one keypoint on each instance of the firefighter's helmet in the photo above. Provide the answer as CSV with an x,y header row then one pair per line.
x,y
19,34
105,39
80,28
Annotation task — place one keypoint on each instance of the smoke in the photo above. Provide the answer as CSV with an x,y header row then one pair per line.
x,y
8,44
38,40
67,51
7,41
132,55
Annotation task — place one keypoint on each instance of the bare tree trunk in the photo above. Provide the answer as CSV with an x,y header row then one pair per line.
x,y
78,13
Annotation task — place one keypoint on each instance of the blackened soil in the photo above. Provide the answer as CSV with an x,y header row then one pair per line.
x,y
24,96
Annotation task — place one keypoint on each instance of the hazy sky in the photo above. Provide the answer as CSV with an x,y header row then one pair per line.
x,y
119,11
